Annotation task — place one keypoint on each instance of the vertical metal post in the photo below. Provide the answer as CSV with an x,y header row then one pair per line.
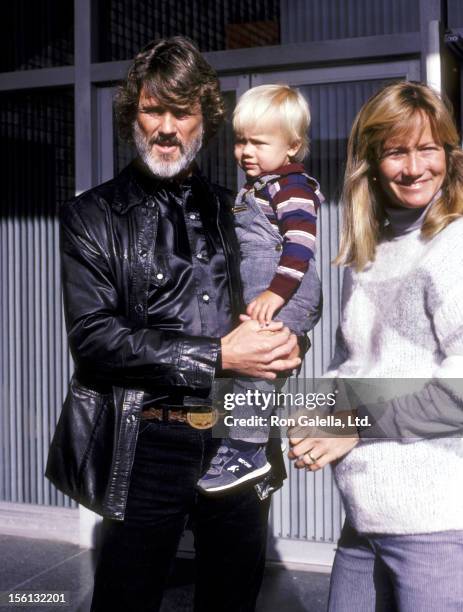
x,y
244,83
83,95
104,134
460,91
84,154
430,28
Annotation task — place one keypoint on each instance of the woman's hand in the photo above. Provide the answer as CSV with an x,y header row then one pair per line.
x,y
264,306
312,449
314,453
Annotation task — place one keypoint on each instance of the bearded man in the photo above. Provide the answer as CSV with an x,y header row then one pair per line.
x,y
152,299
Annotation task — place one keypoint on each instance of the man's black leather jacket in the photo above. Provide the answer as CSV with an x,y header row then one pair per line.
x,y
109,259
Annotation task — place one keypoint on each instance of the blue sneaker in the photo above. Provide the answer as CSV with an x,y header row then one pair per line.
x,y
231,467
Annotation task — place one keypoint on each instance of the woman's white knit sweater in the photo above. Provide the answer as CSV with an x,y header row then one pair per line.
x,y
402,316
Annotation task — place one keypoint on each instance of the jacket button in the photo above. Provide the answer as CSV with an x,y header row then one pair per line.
x,y
206,297
150,203
139,308
192,216
159,275
278,247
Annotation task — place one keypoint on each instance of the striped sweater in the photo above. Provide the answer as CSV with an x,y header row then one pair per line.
x,y
289,198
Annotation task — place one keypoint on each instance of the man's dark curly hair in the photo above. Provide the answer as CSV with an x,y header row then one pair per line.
x,y
174,71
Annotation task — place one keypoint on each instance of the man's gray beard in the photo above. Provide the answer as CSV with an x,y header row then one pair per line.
x,y
162,166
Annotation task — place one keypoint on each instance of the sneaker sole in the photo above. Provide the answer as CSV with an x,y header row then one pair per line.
x,y
251,476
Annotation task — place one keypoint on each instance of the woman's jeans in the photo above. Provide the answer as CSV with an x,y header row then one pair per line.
x,y
230,532
398,573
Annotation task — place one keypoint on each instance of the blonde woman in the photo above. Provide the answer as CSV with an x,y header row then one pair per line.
x,y
402,317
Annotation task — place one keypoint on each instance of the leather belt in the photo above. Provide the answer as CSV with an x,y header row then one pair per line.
x,y
198,417
164,414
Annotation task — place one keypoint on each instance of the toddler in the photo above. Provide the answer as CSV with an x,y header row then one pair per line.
x,y
275,220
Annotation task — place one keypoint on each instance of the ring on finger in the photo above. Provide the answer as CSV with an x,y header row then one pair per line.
x,y
311,457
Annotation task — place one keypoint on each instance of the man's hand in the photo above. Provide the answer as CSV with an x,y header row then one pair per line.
x,y
251,350
264,306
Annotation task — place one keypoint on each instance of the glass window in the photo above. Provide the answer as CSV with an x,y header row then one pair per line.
x,y
37,34
126,26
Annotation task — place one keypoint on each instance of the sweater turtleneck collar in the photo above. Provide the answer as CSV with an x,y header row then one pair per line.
x,y
405,220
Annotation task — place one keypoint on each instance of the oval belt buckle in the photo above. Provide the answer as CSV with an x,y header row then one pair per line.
x,y
202,417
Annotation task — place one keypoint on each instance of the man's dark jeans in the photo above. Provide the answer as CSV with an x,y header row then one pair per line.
x,y
230,532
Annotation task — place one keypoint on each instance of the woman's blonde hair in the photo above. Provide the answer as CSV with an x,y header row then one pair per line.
x,y
270,104
390,113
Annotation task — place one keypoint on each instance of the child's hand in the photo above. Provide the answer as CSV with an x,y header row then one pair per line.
x,y
264,306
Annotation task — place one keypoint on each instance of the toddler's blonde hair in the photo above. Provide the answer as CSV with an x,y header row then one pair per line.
x,y
282,105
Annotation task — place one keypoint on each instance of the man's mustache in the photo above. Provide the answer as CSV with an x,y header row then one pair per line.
x,y
166,141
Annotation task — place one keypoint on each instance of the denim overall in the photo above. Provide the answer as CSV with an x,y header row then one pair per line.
x,y
260,247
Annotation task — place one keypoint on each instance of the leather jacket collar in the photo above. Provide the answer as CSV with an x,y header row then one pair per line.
x,y
135,186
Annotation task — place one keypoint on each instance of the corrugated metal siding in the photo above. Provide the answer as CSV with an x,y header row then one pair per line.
x,y
309,506
217,160
313,20
333,109
36,132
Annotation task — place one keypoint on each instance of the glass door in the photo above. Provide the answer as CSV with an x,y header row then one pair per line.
x,y
307,513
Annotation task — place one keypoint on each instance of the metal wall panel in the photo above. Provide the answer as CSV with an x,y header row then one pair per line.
x,y
455,13
313,20
36,136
